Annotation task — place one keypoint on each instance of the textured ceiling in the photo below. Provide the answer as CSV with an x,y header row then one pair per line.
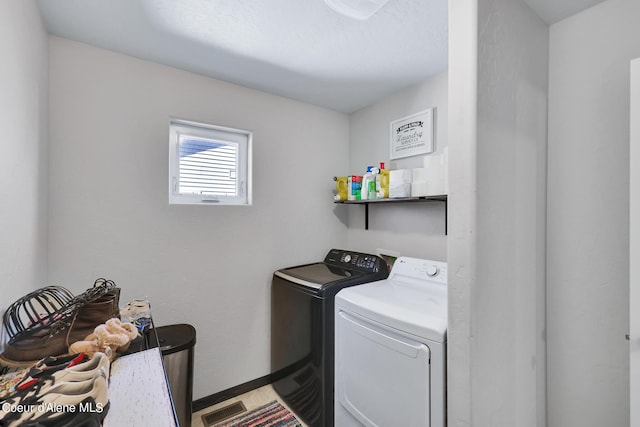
x,y
300,49
552,11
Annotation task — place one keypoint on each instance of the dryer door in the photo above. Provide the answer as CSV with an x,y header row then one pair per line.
x,y
382,377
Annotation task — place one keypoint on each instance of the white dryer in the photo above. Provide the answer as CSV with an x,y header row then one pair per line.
x,y
390,348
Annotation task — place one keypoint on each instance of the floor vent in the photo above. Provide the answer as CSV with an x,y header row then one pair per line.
x,y
223,413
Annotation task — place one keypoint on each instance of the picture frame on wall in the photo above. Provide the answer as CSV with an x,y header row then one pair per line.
x,y
413,135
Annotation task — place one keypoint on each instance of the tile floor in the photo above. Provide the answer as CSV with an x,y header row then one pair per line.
x,y
251,400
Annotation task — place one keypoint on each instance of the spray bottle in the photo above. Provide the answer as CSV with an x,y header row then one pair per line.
x,y
367,178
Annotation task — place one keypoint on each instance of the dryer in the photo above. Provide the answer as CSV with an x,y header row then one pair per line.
x,y
390,348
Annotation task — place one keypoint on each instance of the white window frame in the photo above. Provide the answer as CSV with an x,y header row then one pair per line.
x,y
215,133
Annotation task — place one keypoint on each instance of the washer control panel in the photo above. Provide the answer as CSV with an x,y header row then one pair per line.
x,y
355,260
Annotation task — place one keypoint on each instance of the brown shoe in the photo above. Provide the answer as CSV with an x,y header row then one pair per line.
x,y
72,322
29,348
92,314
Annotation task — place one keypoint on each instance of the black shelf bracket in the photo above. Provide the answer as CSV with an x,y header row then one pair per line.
x,y
366,216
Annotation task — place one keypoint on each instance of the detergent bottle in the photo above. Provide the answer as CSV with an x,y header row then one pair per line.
x,y
382,182
341,188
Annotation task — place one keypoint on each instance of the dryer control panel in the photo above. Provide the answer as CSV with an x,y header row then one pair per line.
x,y
355,261
420,269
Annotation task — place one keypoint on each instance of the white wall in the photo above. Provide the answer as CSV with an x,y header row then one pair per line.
x,y
461,253
634,240
209,266
498,205
508,316
23,163
588,230
418,229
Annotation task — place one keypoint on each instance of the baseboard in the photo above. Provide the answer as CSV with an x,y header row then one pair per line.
x,y
221,396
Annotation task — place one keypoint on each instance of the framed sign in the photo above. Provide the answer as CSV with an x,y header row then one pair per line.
x,y
412,135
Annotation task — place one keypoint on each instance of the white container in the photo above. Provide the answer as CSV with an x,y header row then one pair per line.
x,y
435,166
419,189
419,185
419,174
400,183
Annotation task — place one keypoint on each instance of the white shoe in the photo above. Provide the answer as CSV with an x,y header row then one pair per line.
x,y
63,397
98,365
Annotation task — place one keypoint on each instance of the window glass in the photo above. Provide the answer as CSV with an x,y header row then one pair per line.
x,y
208,164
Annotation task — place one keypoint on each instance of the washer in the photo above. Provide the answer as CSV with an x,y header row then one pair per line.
x,y
302,329
390,350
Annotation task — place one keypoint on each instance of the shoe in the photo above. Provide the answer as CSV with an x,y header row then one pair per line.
x,y
138,312
59,399
136,309
67,319
112,337
45,381
21,400
10,383
60,361
30,347
98,365
86,414
93,314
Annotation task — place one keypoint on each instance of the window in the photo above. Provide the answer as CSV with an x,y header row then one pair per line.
x,y
209,164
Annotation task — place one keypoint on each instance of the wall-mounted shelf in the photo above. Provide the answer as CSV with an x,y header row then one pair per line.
x,y
366,204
